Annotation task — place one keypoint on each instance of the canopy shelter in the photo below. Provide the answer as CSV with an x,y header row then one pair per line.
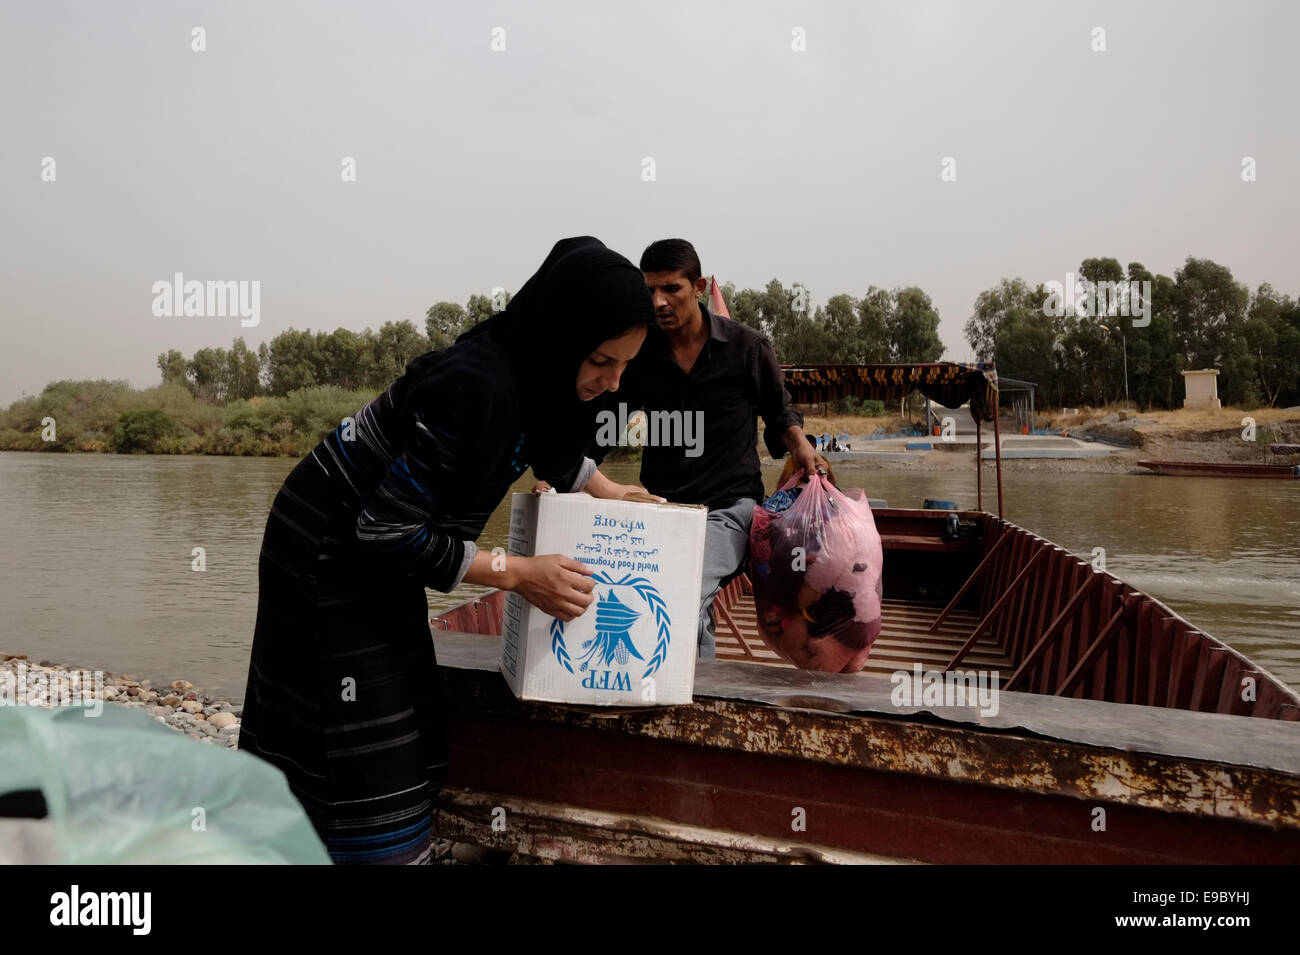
x,y
1022,399
949,383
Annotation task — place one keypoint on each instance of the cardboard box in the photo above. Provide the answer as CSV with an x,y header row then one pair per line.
x,y
637,642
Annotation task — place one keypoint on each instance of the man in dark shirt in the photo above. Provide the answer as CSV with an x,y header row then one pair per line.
x,y
703,381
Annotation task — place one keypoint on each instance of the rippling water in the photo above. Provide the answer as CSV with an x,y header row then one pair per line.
x,y
97,550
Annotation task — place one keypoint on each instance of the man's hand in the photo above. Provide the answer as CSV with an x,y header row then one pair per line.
x,y
541,487
807,459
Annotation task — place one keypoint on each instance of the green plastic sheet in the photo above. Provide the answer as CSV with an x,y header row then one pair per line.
x,y
121,788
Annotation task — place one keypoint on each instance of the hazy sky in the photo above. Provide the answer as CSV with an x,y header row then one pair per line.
x,y
820,166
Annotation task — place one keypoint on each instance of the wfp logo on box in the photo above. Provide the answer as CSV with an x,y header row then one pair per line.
x,y
619,640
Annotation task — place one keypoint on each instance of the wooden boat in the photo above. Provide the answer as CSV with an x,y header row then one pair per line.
x,y
1206,469
1122,733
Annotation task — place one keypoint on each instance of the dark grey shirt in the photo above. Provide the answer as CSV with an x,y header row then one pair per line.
x,y
702,428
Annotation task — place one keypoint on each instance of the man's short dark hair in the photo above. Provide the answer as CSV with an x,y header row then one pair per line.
x,y
671,255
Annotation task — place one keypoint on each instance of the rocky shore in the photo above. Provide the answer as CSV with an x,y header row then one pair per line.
x,y
178,706
207,719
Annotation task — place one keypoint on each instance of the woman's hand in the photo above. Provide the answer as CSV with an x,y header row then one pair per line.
x,y
640,495
554,584
601,486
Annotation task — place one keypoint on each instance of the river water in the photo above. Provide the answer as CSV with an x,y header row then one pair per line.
x,y
97,553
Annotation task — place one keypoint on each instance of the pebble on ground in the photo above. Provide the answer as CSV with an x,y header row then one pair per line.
x,y
178,706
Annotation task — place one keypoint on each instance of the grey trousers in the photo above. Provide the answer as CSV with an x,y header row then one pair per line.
x,y
726,540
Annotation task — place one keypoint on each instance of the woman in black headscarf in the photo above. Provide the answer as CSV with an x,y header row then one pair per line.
x,y
342,691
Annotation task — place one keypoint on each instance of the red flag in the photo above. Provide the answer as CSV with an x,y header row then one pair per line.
x,y
716,304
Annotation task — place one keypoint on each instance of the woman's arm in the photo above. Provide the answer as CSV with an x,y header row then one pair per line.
x,y
601,486
598,485
453,424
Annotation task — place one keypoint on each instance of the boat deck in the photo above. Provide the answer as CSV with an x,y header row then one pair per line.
x,y
1048,623
905,638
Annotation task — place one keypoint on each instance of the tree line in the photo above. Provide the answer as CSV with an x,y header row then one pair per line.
x,y
901,325
283,396
1200,318
293,360
882,326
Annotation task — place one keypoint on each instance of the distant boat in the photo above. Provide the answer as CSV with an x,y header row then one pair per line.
x,y
1208,469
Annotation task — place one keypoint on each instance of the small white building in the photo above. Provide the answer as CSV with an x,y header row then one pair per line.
x,y
1201,388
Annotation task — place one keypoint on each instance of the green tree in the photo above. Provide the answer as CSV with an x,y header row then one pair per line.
x,y
840,319
442,323
143,431
1209,308
746,307
1288,344
1150,351
914,330
344,358
243,372
1158,381
1082,361
1027,349
479,308
779,318
292,362
806,340
1273,340
396,344
1101,270
875,323
1114,327
173,366
208,371
1011,298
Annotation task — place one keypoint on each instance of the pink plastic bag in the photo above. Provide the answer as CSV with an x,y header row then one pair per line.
x,y
816,571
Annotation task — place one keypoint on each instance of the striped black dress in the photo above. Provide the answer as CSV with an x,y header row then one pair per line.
x,y
342,691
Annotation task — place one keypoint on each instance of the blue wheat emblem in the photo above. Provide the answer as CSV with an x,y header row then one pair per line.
x,y
612,643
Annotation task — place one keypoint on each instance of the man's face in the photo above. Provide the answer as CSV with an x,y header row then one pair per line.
x,y
675,298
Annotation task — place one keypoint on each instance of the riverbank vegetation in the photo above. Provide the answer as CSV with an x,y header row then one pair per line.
x,y
1076,352
1201,318
171,419
281,398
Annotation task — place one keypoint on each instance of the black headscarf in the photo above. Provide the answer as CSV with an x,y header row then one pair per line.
x,y
583,294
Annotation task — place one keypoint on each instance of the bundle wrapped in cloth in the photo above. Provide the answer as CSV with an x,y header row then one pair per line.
x,y
815,563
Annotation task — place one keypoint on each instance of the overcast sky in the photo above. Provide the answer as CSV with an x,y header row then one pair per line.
x,y
820,166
